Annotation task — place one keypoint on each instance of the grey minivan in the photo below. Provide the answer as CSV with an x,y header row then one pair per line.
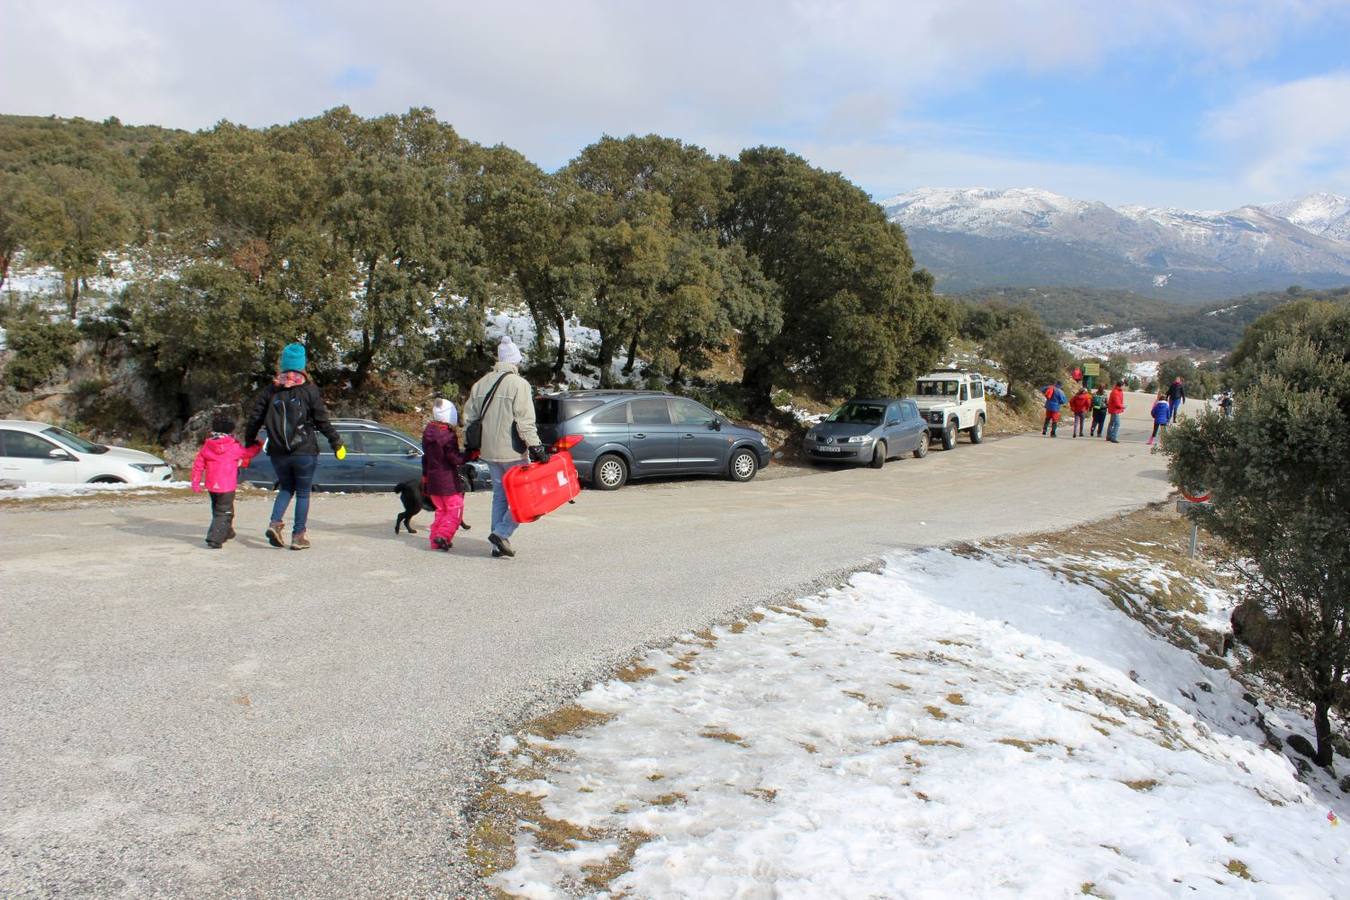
x,y
641,434
870,430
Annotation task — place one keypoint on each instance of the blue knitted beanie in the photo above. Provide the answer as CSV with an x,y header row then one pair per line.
x,y
293,358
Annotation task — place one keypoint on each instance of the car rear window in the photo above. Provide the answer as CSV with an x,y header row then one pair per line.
x,y
551,410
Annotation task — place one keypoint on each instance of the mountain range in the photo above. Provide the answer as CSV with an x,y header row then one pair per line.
x,y
974,238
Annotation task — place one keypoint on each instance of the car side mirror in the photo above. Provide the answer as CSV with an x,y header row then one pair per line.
x,y
57,453
715,424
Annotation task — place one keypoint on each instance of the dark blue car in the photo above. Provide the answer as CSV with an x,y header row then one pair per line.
x,y
378,458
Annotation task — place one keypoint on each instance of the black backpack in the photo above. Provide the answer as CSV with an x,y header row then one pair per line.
x,y
286,421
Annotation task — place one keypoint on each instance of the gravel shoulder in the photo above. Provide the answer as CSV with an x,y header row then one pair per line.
x,y
254,721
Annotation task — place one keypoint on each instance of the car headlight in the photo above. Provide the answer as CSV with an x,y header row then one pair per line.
x,y
858,439
145,467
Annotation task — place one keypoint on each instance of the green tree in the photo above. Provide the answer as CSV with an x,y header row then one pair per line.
x,y
1029,355
42,349
1278,480
856,315
70,219
530,226
1116,368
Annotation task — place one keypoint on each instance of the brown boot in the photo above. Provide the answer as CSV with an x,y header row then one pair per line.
x,y
276,536
299,541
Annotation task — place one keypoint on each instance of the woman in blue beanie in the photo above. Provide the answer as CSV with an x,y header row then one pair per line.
x,y
291,408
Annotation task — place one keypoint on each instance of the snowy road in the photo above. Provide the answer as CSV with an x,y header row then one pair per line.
x,y
252,721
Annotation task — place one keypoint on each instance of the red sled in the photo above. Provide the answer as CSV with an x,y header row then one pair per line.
x,y
537,489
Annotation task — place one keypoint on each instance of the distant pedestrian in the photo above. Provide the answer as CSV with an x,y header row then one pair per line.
x,y
441,459
1098,428
1162,414
1176,397
1115,407
1080,405
216,468
501,406
1226,404
292,410
1054,399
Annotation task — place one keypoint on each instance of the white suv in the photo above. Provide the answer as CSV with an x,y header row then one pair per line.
x,y
38,452
952,402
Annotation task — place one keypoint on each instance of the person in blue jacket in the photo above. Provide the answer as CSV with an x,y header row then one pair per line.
x,y
1054,399
1162,414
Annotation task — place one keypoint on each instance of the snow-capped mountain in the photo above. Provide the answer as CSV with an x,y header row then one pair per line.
x,y
1324,214
974,238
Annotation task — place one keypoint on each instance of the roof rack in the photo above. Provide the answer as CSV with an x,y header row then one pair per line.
x,y
607,392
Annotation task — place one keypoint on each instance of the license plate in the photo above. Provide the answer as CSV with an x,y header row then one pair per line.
x,y
829,449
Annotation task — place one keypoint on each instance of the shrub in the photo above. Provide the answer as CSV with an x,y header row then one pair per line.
x,y
42,350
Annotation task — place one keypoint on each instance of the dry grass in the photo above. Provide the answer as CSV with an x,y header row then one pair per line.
x,y
935,712
728,737
568,719
956,700
634,671
1239,868
1142,785
1028,746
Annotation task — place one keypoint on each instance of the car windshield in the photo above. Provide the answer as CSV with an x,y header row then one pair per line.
x,y
858,414
73,441
938,387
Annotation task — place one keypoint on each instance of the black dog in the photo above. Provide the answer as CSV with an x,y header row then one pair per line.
x,y
414,502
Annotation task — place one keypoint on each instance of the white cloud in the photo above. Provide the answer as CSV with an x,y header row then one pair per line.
x,y
1290,137
549,77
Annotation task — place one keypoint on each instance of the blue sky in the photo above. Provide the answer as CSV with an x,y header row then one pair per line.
x,y
1201,104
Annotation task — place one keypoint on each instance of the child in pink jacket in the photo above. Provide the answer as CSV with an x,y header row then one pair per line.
x,y
217,467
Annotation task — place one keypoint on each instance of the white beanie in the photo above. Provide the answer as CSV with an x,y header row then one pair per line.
x,y
508,352
444,411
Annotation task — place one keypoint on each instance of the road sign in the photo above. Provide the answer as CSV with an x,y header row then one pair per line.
x,y
1092,368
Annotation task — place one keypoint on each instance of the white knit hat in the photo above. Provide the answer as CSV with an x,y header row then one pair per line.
x,y
508,352
444,411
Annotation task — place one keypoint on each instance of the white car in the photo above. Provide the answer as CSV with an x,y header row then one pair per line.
x,y
38,452
952,401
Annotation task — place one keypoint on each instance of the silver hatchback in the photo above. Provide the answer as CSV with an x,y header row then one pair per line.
x,y
868,430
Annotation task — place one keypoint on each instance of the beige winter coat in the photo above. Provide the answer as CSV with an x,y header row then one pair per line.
x,y
513,402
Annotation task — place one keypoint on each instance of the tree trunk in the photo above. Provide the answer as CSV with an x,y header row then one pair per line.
x,y
73,298
1322,724
632,352
363,361
4,268
606,359
560,363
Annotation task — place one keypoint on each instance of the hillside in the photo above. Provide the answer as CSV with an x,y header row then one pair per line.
x,y
972,239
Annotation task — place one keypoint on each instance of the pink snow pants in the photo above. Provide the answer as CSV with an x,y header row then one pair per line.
x,y
449,513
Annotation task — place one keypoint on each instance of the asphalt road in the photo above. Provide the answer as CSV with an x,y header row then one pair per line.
x,y
260,722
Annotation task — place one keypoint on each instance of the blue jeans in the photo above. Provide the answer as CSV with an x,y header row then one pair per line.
x,y
1113,428
503,525
295,475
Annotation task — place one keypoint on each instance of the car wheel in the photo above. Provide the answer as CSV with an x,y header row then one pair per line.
x,y
610,473
949,435
879,455
977,433
743,465
106,479
921,449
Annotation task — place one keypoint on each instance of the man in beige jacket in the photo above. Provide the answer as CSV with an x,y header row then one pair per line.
x,y
505,403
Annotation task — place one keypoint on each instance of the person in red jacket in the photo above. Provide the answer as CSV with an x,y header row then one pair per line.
x,y
1080,405
216,467
441,459
1115,405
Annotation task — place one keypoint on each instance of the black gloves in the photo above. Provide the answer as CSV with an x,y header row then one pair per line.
x,y
539,453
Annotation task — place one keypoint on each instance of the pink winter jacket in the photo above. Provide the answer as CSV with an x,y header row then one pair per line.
x,y
219,460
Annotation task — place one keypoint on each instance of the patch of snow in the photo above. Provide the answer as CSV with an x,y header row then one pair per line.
x,y
1133,340
583,344
803,417
1145,370
1161,280
37,490
949,726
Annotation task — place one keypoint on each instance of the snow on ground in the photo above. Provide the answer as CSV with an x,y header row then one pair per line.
x,y
1133,340
582,343
952,725
36,490
1145,370
30,282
